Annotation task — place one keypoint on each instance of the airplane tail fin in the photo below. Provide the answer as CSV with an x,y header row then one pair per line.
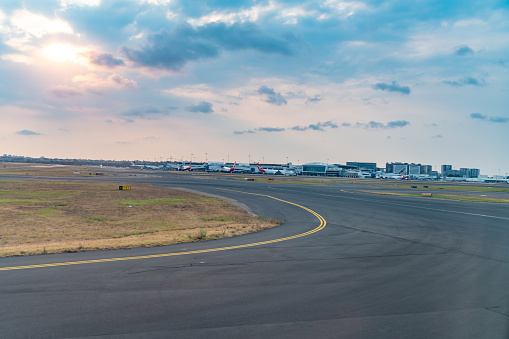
x,y
260,168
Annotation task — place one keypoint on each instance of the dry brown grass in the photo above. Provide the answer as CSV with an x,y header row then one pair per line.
x,y
54,217
47,170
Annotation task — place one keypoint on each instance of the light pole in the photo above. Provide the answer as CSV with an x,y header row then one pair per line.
x,y
287,160
191,159
228,158
206,159
249,159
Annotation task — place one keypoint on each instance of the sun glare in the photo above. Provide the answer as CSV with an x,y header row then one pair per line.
x,y
63,52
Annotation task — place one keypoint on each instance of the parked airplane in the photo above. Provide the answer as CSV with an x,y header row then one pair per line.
x,y
186,168
402,175
229,169
275,171
267,171
133,165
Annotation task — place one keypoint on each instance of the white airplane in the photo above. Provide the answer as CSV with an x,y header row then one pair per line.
x,y
229,169
267,171
201,167
133,165
402,175
275,171
187,168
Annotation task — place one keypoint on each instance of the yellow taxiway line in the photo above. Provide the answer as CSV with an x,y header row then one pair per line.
x,y
68,263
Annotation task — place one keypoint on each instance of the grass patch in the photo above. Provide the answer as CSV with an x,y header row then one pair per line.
x,y
47,170
464,188
22,201
38,217
99,219
446,196
218,219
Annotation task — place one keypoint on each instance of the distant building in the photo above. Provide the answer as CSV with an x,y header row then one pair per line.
x,y
445,169
426,169
365,166
395,167
474,172
414,169
315,168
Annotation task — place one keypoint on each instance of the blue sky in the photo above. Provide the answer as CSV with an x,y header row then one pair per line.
x,y
337,81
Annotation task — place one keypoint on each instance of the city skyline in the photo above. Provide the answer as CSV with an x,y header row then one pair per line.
x,y
298,81
424,168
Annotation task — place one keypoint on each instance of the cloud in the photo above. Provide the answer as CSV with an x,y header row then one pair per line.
x,y
379,125
172,50
463,50
438,136
105,59
114,80
397,123
465,81
271,96
271,129
484,117
314,99
316,127
149,112
393,87
27,132
371,124
320,126
202,107
64,92
37,25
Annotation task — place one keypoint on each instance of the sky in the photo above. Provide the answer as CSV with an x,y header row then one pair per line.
x,y
270,81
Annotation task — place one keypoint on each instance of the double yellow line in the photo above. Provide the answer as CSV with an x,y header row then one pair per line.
x,y
68,263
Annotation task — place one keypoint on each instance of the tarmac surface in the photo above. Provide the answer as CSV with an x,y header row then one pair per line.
x,y
382,267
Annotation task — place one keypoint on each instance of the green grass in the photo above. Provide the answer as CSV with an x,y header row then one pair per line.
x,y
218,219
464,188
477,199
47,212
452,197
22,201
99,219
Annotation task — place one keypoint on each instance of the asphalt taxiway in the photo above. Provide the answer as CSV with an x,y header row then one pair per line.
x,y
381,267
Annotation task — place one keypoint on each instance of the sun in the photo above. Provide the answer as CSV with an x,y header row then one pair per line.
x,y
61,52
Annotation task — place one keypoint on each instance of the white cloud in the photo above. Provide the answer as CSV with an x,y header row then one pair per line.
x,y
114,80
199,91
19,43
3,29
342,9
137,36
156,2
38,25
65,3
247,15
18,58
291,15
